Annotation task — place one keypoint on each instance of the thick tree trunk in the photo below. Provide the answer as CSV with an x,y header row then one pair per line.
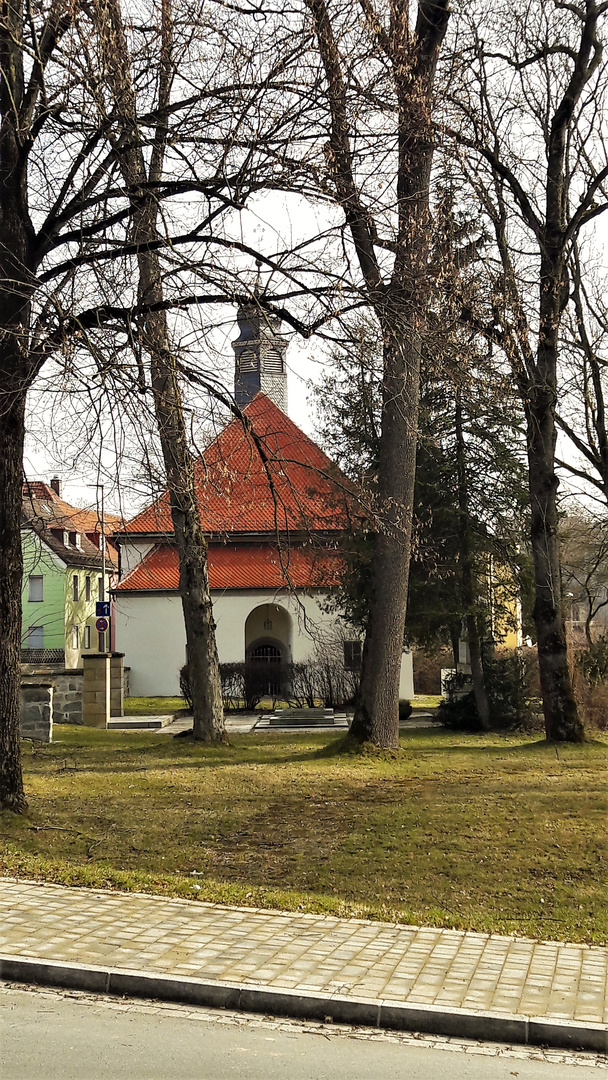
x,y
12,429
16,375
559,706
201,649
203,660
562,722
400,305
377,712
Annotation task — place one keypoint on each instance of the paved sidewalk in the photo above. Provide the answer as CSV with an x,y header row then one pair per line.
x,y
314,958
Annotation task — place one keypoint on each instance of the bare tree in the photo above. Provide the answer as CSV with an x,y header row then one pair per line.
x,y
142,182
68,248
391,246
583,412
585,566
530,133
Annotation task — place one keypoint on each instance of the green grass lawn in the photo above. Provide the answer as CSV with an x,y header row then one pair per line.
x,y
487,833
153,706
426,701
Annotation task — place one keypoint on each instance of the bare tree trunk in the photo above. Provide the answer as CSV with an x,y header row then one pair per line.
x,y
202,656
400,305
16,236
467,574
12,430
377,712
559,706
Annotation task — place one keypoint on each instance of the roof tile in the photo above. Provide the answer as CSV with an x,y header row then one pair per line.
x,y
295,488
240,566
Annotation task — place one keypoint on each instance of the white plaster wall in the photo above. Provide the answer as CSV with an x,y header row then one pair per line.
x,y
132,552
406,677
150,632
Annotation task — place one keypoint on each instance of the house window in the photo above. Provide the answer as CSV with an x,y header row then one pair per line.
x,y
35,637
100,588
66,539
352,655
75,587
87,636
87,588
75,637
35,588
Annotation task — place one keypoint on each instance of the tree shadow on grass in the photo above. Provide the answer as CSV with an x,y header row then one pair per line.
x,y
124,757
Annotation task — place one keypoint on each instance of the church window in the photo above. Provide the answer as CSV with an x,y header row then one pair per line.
x,y
352,655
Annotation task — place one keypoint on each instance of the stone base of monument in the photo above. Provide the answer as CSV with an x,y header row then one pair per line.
x,y
302,718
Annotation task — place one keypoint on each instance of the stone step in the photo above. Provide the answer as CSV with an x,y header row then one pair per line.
x,y
299,714
302,721
138,723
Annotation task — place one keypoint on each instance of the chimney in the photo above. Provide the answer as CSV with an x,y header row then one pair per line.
x,y
56,486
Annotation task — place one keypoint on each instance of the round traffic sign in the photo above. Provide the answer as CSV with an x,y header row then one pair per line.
x,y
102,625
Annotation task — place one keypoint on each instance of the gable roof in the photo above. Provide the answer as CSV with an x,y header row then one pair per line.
x,y
239,566
296,488
48,516
72,518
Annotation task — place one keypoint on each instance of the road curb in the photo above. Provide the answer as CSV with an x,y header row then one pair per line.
x,y
307,1005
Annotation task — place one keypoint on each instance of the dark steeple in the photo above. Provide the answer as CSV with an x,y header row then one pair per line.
x,y
259,356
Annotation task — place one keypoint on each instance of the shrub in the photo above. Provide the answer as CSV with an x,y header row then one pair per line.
x,y
184,686
405,710
507,679
590,677
233,685
593,662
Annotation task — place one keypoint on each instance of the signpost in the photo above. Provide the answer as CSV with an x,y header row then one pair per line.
x,y
102,608
102,625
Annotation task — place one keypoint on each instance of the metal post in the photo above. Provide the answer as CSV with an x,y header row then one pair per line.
x,y
101,637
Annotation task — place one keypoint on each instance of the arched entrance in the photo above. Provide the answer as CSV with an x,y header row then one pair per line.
x,y
268,636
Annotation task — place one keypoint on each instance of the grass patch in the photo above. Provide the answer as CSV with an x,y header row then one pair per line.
x,y
426,701
153,706
476,832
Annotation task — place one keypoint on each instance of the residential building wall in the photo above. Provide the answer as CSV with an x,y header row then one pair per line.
x,y
80,613
57,613
49,613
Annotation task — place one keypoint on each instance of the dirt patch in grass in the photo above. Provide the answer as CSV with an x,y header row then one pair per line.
x,y
487,833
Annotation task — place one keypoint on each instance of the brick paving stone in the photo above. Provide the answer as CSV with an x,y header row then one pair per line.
x,y
317,953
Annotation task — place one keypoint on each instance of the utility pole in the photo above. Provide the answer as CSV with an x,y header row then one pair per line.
x,y
102,543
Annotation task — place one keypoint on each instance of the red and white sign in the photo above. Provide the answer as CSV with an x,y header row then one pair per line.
x,y
102,625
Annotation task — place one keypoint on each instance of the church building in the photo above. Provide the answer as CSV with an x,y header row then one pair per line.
x,y
273,508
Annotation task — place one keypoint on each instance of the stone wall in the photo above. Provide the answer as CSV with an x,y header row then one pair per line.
x,y
36,711
67,689
117,685
67,697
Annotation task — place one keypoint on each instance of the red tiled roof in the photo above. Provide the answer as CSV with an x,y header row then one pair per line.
x,y
51,518
240,566
233,488
63,515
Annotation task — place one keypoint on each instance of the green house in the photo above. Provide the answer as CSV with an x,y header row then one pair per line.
x,y
62,576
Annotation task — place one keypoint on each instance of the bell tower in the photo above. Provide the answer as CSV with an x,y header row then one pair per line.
x,y
259,354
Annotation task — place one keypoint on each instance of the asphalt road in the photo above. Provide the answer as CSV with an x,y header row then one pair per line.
x,y
48,1035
